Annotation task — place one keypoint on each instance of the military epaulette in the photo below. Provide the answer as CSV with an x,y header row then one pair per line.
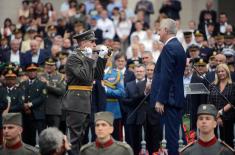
x,y
227,146
187,146
84,147
31,148
125,145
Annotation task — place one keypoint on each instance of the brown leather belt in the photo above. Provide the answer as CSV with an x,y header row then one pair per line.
x,y
76,87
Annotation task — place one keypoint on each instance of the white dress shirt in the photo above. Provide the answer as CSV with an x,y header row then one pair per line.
x,y
35,57
15,57
107,26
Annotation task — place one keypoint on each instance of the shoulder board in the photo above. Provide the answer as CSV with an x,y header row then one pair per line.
x,y
31,148
227,146
84,147
125,145
187,146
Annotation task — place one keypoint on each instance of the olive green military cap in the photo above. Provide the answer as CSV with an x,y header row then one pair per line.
x,y
87,35
208,109
105,116
12,118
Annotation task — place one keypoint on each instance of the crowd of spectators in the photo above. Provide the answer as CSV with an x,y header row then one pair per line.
x,y
42,32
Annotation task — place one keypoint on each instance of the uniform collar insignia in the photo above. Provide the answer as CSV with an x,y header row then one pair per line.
x,y
15,146
209,143
105,145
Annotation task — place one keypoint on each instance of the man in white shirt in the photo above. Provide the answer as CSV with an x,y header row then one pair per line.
x,y
15,53
106,25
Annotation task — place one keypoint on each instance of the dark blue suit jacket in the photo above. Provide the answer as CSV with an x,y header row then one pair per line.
x,y
131,101
167,85
128,76
6,57
43,55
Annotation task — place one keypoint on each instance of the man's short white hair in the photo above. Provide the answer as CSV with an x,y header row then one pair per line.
x,y
50,140
169,24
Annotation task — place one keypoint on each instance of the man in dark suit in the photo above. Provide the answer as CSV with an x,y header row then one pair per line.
x,y
14,55
35,54
167,92
152,118
136,120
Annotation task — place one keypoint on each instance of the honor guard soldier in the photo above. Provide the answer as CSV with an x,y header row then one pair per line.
x,y
34,105
12,130
104,143
55,90
79,69
207,144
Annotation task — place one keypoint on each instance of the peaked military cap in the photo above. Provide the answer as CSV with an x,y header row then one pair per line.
x,y
12,118
209,109
228,36
87,35
228,52
10,74
32,67
187,34
105,116
214,53
197,33
193,47
50,61
200,62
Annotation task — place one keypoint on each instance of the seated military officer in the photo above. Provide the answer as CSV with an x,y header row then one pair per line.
x,y
104,143
12,129
207,144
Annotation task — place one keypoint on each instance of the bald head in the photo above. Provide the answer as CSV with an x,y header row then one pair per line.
x,y
15,45
220,59
34,45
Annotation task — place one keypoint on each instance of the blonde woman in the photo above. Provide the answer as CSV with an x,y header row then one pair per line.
x,y
226,113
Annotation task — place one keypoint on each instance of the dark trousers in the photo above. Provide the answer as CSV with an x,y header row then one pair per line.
x,y
31,128
117,133
153,137
134,137
226,132
1,136
171,118
53,121
77,124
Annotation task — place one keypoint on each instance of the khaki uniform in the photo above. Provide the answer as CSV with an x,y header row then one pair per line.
x,y
55,90
20,149
214,148
111,147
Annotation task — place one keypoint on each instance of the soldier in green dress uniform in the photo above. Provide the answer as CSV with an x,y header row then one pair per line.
x,y
104,143
12,129
207,144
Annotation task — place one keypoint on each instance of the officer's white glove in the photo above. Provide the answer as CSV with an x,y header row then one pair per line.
x,y
87,51
103,50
